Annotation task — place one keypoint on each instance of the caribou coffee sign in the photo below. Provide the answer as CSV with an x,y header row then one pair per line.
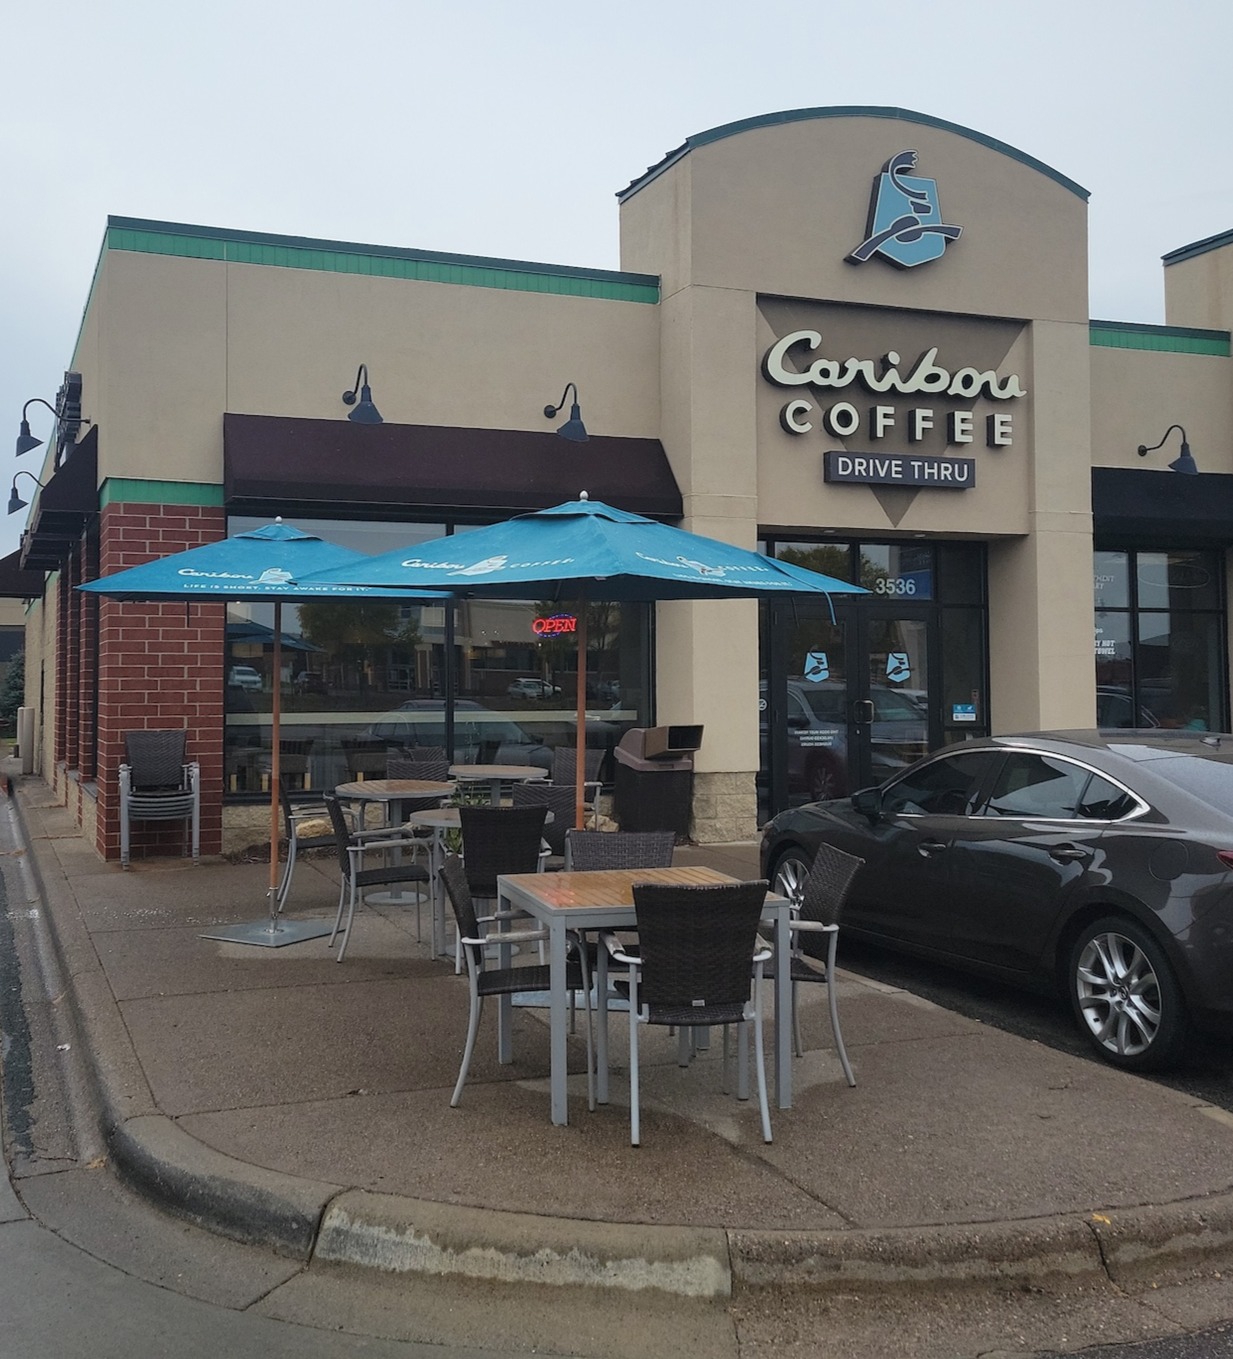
x,y
797,361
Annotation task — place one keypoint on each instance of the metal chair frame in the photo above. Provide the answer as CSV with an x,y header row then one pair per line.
x,y
158,784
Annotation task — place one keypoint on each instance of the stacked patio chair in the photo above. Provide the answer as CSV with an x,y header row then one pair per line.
x,y
698,964
158,784
484,979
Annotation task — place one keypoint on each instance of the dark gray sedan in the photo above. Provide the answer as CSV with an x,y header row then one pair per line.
x,y
1096,863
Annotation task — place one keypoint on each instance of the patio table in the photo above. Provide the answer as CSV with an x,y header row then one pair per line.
x,y
604,900
496,776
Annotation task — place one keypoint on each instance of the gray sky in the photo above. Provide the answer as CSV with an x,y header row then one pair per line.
x,y
494,128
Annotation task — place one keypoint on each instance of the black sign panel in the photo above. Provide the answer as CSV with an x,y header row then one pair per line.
x,y
900,469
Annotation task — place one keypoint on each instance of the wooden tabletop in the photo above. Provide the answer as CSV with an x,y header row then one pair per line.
x,y
498,771
389,790
608,886
441,818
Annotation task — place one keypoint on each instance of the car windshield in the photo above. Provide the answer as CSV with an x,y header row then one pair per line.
x,y
1211,781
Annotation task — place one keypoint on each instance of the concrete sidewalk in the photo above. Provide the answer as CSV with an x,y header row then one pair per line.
x,y
278,1097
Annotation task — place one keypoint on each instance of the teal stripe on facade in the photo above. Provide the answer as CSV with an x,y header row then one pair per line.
x,y
212,243
138,491
1162,339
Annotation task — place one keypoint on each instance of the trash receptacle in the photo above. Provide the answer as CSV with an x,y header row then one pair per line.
x,y
653,779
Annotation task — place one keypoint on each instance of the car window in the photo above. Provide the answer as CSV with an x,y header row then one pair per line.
x,y
1105,801
1033,785
1209,780
944,787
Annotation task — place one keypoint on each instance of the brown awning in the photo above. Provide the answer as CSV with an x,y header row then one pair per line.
x,y
282,465
16,583
64,507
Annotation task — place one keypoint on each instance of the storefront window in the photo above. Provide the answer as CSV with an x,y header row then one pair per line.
x,y
486,680
1159,640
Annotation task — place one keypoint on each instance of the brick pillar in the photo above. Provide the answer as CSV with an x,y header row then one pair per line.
x,y
159,666
87,757
71,576
62,655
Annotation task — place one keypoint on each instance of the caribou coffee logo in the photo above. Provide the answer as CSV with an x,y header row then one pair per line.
x,y
905,223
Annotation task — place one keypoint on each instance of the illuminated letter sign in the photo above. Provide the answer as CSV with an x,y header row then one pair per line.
x,y
554,626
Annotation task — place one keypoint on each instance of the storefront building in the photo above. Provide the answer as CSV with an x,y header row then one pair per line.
x,y
854,337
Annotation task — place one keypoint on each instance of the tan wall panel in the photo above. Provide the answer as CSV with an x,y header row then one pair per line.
x,y
437,354
162,327
1137,395
1199,291
777,209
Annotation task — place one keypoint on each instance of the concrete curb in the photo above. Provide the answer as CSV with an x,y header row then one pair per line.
x,y
312,1220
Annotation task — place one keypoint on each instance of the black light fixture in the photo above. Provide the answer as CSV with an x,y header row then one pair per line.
x,y
365,412
573,429
15,501
1183,463
67,410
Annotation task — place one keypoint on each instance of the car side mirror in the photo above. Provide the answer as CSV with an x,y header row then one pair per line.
x,y
797,723
868,801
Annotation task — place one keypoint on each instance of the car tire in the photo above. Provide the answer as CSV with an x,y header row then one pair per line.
x,y
788,874
1125,996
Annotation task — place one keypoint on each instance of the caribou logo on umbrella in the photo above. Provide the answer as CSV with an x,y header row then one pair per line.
x,y
905,223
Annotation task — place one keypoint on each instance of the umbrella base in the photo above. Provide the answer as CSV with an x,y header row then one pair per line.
x,y
269,933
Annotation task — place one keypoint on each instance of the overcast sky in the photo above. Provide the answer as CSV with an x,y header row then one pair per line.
x,y
491,127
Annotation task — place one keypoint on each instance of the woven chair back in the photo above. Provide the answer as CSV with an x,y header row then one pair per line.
x,y
565,762
454,877
342,833
156,758
696,943
827,886
586,850
364,756
498,840
427,753
404,767
559,801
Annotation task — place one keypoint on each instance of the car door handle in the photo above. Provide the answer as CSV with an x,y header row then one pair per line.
x,y
928,848
1065,853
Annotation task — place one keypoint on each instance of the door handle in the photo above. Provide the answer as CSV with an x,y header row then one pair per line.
x,y
928,848
1067,853
862,711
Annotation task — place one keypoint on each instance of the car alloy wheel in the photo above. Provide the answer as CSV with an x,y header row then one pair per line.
x,y
789,874
1125,996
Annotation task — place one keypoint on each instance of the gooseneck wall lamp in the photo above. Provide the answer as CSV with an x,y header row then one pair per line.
x,y
15,501
1183,463
365,412
25,440
67,410
573,429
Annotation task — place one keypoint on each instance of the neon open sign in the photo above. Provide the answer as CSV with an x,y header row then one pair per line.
x,y
556,625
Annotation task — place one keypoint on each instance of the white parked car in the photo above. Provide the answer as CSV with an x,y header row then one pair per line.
x,y
244,677
532,688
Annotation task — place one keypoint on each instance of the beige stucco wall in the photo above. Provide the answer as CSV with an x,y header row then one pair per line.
x,y
187,340
1199,290
1137,395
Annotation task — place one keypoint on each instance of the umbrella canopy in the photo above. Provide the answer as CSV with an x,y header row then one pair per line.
x,y
267,563
585,550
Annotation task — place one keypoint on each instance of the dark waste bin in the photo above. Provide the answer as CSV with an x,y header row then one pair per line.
x,y
653,779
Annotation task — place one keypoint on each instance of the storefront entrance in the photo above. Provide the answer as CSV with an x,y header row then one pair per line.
x,y
846,700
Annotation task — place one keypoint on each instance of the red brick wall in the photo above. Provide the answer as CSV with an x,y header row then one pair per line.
x,y
159,666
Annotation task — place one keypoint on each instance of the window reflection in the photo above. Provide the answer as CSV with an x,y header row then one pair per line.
x,y
485,680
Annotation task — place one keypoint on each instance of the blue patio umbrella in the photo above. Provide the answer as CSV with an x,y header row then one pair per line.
x,y
269,564
585,550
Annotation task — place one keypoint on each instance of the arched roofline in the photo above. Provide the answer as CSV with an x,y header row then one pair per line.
x,y
717,134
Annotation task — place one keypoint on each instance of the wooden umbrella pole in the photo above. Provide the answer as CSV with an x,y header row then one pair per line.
x,y
276,716
580,736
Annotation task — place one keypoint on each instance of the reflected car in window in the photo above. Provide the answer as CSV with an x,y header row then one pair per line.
x,y
1096,864
481,736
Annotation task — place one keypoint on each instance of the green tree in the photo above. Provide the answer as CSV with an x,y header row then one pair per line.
x,y
13,689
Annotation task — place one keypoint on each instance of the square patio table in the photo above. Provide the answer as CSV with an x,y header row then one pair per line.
x,y
604,900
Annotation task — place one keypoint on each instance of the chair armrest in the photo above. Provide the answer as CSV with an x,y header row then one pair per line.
x,y
616,950
812,927
510,937
763,955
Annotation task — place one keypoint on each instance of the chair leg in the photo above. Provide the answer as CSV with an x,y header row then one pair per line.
x,y
346,938
342,893
760,1062
635,1122
798,1047
284,886
833,1005
742,1060
477,1004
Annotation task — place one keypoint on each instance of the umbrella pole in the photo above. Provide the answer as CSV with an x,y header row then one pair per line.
x,y
276,715
580,735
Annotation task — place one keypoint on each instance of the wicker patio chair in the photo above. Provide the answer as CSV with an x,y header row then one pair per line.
x,y
693,969
486,980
